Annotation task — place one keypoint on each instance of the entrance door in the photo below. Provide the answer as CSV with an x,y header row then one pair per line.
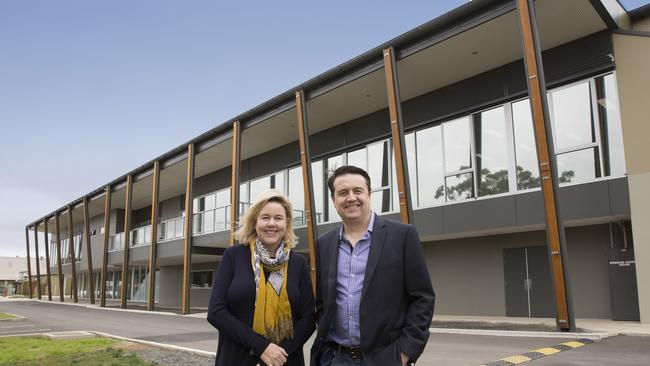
x,y
527,277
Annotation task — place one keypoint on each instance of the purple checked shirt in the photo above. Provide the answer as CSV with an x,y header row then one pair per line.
x,y
351,271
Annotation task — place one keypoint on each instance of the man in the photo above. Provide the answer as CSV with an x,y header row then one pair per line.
x,y
374,299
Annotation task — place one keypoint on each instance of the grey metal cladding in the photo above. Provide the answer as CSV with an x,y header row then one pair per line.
x,y
327,140
139,254
455,98
479,215
368,127
429,221
585,201
171,249
211,182
530,208
619,197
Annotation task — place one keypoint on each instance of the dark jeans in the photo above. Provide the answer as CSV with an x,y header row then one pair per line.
x,y
331,357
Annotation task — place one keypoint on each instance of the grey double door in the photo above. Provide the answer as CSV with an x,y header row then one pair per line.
x,y
529,290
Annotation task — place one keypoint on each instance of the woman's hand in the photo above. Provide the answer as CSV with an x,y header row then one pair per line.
x,y
274,355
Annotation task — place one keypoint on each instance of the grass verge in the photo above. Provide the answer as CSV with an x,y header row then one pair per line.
x,y
23,351
4,316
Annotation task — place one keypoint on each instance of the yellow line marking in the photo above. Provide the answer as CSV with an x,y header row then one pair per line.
x,y
516,359
573,344
547,351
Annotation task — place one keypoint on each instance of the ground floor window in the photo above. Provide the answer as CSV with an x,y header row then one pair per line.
x,y
202,279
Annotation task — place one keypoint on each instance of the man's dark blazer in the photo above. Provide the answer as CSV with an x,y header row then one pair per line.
x,y
397,298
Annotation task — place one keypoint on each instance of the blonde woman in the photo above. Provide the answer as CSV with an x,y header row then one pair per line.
x,y
262,301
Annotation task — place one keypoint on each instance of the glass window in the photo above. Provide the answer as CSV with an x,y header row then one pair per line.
x,y
577,166
458,151
317,180
378,170
333,163
243,197
491,151
525,151
296,195
210,202
259,186
460,186
202,279
278,181
208,221
572,120
358,159
610,120
430,171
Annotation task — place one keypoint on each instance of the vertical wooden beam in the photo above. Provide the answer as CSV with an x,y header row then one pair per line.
x,y
397,133
187,252
234,190
127,241
547,164
38,263
153,250
29,264
73,258
47,260
107,223
89,253
59,266
308,184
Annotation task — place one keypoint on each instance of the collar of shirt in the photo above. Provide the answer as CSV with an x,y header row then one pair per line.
x,y
371,224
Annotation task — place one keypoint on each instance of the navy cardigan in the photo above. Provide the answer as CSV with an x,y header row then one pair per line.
x,y
232,306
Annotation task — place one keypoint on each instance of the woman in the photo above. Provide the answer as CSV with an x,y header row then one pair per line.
x,y
262,301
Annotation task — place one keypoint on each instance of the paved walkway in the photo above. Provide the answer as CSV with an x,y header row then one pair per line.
x,y
449,347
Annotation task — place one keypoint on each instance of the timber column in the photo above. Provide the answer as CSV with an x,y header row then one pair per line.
x,y
47,260
126,241
234,190
153,251
547,164
38,262
29,264
187,252
397,133
307,182
73,258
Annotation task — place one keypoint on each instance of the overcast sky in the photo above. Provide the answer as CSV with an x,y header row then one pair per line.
x,y
90,90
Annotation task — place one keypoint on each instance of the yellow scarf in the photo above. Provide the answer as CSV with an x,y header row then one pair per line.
x,y
272,318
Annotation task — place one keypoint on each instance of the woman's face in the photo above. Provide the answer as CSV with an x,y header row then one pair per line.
x,y
271,224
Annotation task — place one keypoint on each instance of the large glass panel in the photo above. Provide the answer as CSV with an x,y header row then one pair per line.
x,y
411,159
458,152
332,164
171,229
572,120
460,186
429,166
147,234
210,202
278,182
243,194
610,119
297,195
208,221
223,197
577,166
259,186
179,228
378,160
317,177
358,159
491,151
525,152
202,279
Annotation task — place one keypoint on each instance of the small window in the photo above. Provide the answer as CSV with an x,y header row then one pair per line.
x,y
202,279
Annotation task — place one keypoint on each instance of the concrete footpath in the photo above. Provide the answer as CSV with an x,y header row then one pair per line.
x,y
447,346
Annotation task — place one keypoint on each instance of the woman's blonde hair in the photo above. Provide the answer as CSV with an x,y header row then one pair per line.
x,y
246,231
